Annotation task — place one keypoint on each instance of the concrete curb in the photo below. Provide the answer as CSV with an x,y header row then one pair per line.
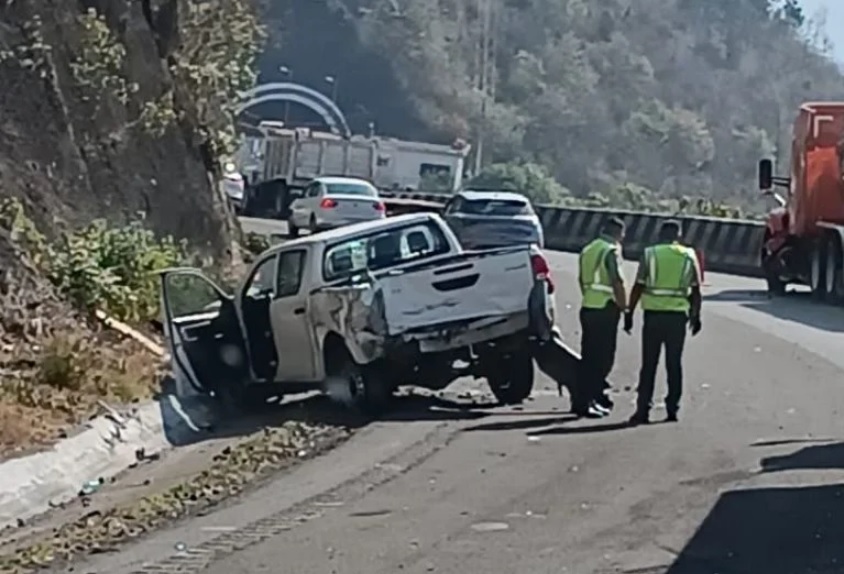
x,y
31,485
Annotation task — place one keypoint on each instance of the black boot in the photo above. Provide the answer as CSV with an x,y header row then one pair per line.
x,y
639,418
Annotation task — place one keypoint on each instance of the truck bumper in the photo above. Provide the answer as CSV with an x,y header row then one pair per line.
x,y
474,333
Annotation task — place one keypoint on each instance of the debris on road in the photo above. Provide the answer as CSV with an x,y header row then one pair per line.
x,y
231,472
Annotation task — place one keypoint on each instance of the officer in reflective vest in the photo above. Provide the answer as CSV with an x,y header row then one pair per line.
x,y
668,286
604,299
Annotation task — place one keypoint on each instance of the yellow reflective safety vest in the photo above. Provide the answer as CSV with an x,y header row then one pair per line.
x,y
671,269
595,278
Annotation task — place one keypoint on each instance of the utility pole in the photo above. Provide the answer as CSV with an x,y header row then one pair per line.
x,y
485,61
288,75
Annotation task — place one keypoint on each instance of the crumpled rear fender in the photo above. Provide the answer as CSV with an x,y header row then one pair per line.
x,y
355,314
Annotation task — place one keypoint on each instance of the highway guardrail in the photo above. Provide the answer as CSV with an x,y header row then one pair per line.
x,y
729,245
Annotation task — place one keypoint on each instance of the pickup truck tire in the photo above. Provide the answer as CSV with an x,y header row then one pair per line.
x,y
369,389
511,381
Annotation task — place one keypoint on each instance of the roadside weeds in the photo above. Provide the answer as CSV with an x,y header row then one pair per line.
x,y
231,472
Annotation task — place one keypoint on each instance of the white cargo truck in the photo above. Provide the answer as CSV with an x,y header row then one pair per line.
x,y
282,160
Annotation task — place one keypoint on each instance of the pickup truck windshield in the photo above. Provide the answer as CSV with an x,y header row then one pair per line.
x,y
383,249
494,207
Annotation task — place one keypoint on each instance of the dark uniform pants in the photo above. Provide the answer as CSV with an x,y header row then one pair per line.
x,y
599,334
668,329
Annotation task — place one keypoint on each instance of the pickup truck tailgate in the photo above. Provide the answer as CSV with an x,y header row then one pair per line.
x,y
472,285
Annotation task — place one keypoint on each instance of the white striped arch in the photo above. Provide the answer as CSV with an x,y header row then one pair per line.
x,y
299,94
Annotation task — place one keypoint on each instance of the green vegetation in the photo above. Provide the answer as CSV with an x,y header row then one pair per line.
x,y
58,360
535,182
529,178
99,267
213,63
675,98
98,66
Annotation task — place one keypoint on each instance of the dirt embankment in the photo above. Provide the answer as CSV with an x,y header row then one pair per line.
x,y
75,141
91,126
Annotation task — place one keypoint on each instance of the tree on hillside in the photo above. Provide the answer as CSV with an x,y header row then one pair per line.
x,y
680,97
529,179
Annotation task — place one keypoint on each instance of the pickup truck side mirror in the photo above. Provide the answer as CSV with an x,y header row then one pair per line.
x,y
766,175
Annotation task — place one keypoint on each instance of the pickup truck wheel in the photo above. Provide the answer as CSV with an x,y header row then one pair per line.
x,y
511,380
368,388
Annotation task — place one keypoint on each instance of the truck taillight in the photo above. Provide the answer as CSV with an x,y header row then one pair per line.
x,y
541,270
379,206
328,203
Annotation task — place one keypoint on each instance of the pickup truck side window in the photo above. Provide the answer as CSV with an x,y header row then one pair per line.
x,y
384,249
291,264
263,279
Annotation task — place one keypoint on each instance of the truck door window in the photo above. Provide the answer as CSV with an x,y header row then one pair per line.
x,y
263,279
291,265
434,170
191,294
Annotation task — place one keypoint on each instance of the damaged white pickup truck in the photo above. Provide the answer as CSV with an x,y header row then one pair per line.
x,y
367,307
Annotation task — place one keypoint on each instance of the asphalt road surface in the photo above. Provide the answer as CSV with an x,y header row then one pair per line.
x,y
749,481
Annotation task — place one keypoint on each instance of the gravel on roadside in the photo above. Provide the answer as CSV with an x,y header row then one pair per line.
x,y
231,472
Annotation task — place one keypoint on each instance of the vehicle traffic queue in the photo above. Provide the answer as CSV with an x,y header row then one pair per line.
x,y
667,287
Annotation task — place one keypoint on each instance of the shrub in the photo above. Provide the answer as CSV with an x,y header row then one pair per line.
x,y
99,266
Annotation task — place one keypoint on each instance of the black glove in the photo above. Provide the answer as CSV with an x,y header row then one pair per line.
x,y
628,322
695,325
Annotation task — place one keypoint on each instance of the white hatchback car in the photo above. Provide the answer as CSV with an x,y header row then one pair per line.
x,y
329,202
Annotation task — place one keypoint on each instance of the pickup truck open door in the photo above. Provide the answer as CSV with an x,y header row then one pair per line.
x,y
203,334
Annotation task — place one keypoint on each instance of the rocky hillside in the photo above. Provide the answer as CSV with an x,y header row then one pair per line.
x,y
108,108
679,96
95,122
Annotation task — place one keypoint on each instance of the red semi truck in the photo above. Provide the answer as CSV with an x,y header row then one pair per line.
x,y
804,236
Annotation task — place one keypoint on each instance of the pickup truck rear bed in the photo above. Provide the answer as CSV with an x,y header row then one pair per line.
x,y
467,286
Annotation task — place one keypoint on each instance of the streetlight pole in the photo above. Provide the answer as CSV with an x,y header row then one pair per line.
x,y
335,83
288,74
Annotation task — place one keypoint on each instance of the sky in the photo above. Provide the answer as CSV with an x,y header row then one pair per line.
x,y
834,10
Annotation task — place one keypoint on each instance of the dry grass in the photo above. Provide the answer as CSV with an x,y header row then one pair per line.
x,y
43,399
55,365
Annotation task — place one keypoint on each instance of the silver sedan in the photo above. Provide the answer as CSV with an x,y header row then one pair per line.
x,y
493,219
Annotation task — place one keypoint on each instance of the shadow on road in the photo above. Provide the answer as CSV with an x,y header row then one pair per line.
x,y
521,424
202,418
763,443
770,531
825,456
587,429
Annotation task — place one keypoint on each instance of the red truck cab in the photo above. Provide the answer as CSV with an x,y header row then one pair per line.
x,y
804,236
